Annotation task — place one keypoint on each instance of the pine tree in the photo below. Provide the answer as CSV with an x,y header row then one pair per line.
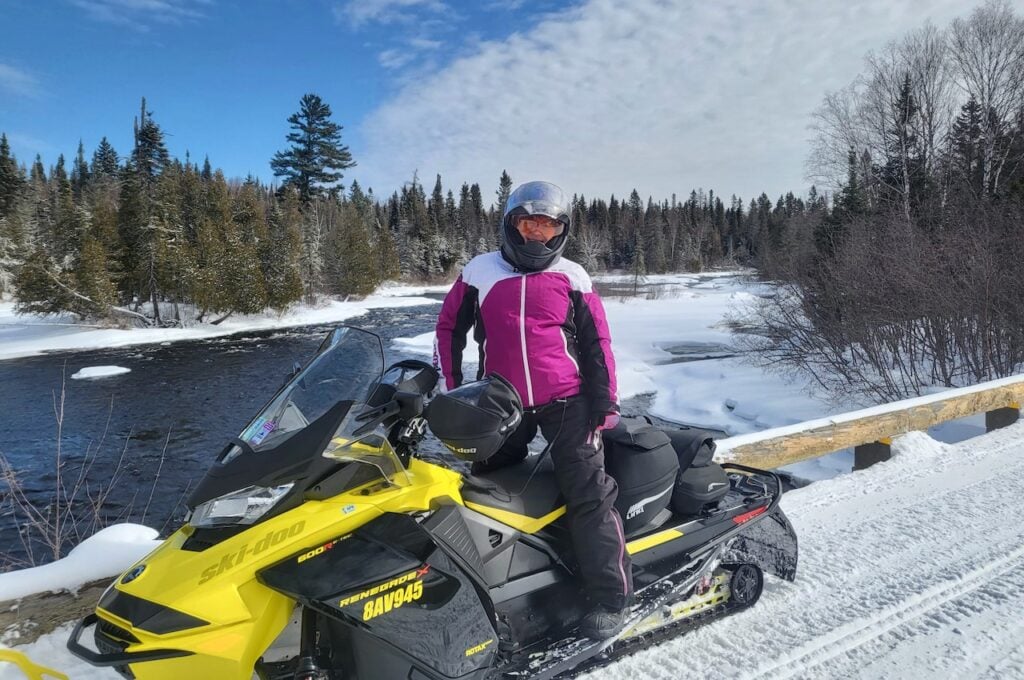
x,y
12,187
211,287
173,262
12,179
105,162
280,256
149,157
504,190
350,255
317,156
966,153
243,235
41,286
138,226
93,281
80,174
65,241
902,176
435,206
830,234
487,237
39,220
387,253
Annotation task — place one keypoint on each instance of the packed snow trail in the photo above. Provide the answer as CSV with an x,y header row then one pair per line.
x,y
913,568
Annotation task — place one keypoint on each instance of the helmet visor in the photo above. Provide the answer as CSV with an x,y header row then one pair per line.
x,y
538,227
540,198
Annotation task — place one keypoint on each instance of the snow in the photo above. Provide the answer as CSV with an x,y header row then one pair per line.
x,y
106,553
22,335
91,372
51,651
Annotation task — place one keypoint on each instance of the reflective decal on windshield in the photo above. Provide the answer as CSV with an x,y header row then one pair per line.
x,y
259,431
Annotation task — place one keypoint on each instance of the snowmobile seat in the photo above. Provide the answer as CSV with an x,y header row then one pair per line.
x,y
512,489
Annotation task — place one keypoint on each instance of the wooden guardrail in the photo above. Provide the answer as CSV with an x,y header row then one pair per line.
x,y
870,430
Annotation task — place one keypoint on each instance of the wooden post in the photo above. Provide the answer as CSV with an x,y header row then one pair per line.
x,y
866,455
1001,417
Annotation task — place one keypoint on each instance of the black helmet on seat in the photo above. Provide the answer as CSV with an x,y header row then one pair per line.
x,y
474,420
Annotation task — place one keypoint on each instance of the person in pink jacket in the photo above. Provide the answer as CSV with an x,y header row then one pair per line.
x,y
539,323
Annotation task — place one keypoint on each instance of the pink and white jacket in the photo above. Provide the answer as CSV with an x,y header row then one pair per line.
x,y
545,332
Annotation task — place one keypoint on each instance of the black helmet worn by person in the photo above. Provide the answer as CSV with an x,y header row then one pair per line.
x,y
534,198
475,419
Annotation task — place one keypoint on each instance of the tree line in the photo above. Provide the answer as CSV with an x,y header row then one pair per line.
x,y
145,238
910,280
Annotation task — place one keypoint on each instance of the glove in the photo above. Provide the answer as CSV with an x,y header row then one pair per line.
x,y
605,421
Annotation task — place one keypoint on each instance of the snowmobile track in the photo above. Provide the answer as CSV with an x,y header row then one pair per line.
x,y
801,661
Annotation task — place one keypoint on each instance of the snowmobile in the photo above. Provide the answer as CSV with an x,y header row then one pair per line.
x,y
323,544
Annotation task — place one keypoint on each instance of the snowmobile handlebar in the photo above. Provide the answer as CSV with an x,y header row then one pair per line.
x,y
404,405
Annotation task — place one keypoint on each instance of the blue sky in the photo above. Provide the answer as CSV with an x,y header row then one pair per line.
x,y
600,96
221,76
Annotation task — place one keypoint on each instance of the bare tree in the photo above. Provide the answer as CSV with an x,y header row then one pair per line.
x,y
988,52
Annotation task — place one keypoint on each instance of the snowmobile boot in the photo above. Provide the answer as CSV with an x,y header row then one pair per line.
x,y
604,622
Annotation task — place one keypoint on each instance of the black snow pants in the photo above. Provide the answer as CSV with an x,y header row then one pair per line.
x,y
589,493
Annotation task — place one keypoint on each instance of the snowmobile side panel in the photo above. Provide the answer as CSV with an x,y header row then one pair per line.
x,y
390,579
542,605
523,523
448,527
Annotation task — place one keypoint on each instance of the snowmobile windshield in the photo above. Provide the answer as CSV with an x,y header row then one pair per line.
x,y
352,445
348,364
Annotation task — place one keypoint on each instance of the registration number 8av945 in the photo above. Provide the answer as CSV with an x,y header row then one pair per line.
x,y
392,600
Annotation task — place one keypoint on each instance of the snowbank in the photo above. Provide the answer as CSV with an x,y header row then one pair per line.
x,y
106,553
29,335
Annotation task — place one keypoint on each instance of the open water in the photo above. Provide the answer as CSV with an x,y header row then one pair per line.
x,y
164,421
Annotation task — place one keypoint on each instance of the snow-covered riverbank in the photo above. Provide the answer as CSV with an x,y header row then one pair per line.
x,y
22,335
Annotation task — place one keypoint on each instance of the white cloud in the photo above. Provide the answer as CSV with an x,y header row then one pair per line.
x,y
507,5
397,57
424,43
359,12
661,95
138,14
16,81
394,58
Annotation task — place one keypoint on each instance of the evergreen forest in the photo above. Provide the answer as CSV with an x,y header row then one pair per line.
x,y
144,238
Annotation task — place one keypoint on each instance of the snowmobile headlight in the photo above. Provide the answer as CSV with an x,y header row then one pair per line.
x,y
244,506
